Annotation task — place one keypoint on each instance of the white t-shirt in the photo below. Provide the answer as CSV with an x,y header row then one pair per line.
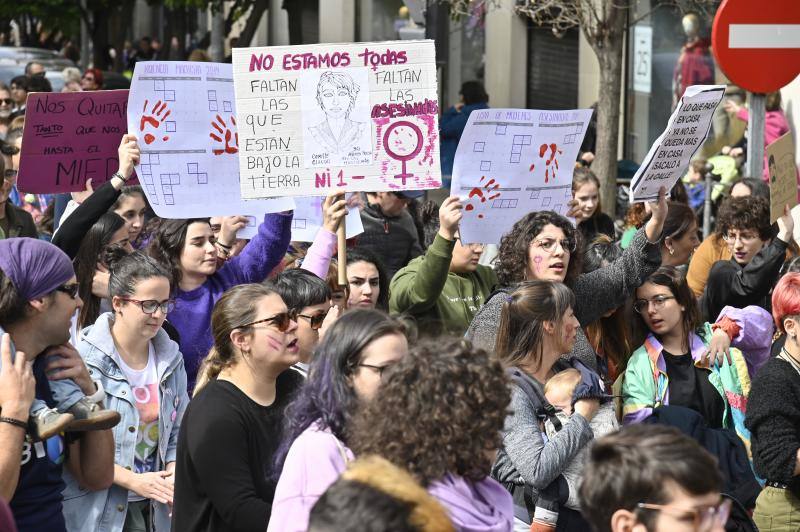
x,y
144,384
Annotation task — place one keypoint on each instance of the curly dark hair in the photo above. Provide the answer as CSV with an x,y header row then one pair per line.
x,y
453,416
168,242
511,263
746,213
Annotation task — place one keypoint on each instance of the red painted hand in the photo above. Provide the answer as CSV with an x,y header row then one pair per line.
x,y
158,114
228,133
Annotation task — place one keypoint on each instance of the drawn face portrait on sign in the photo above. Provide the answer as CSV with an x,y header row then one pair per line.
x,y
336,127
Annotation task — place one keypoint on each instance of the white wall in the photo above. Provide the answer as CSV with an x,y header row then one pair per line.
x,y
506,56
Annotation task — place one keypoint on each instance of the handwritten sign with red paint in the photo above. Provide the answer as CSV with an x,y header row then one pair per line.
x,y
351,116
184,116
69,138
510,162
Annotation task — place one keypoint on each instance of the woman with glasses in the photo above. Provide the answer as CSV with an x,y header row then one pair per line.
x,y
544,245
187,248
685,362
773,417
757,250
346,372
234,423
142,373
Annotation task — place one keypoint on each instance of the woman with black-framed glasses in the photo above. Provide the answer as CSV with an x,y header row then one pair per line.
x,y
234,423
142,372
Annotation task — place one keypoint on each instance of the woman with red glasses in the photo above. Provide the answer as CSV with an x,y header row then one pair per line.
x,y
142,372
233,425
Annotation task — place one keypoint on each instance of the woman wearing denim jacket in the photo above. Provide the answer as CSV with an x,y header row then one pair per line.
x,y
143,374
683,361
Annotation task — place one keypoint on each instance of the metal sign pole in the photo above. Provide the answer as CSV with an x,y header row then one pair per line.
x,y
755,138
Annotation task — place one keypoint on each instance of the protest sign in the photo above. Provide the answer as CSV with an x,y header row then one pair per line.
x,y
782,176
308,219
70,137
183,114
670,154
350,116
510,162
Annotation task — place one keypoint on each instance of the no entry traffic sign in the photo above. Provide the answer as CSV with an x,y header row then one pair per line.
x,y
757,44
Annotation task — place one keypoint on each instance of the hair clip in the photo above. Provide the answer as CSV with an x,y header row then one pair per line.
x,y
509,298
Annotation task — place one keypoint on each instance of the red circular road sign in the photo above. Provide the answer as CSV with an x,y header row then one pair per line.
x,y
757,44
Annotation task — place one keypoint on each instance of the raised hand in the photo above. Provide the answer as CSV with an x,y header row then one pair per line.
x,y
659,208
128,152
450,214
333,210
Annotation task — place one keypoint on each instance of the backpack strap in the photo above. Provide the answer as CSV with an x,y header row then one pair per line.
x,y
541,406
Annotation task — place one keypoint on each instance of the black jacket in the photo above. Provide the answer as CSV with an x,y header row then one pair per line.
x,y
737,286
392,238
20,222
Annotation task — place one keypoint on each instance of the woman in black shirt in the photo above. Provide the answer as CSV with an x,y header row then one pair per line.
x,y
232,427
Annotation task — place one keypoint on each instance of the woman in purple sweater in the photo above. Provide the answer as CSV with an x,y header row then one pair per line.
x,y
187,247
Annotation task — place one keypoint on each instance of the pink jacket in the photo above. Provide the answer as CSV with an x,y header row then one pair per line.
x,y
775,126
314,462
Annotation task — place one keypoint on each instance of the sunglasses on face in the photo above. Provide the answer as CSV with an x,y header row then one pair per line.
x,y
70,289
315,321
280,321
6,101
149,306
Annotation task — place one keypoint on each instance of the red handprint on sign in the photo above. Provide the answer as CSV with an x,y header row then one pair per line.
x,y
223,129
157,116
549,170
490,187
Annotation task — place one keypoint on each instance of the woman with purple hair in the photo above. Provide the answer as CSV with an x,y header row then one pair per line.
x,y
346,372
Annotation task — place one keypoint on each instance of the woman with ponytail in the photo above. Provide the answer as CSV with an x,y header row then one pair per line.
x,y
233,424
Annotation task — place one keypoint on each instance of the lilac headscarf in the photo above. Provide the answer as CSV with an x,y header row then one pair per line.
x,y
35,267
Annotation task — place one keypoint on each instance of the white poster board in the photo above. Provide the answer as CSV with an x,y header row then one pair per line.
x,y
510,162
184,116
670,154
350,116
308,219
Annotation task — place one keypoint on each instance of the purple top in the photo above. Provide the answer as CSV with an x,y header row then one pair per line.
x,y
192,314
482,506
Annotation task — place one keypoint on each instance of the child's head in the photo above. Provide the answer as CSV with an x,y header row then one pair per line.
x,y
560,388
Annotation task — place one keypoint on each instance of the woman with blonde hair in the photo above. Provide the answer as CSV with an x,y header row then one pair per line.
x,y
233,424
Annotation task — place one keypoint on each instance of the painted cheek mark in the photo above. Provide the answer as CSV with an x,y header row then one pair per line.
x,y
537,263
274,344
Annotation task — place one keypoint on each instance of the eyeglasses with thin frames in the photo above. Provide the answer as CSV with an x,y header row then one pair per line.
x,y
149,306
704,519
377,369
70,289
642,305
280,321
744,238
549,244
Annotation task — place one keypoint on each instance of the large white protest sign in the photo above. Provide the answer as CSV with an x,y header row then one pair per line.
x,y
670,154
183,114
510,162
351,116
308,219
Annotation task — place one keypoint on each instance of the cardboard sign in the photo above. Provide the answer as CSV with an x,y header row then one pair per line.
x,y
350,116
70,137
183,114
670,154
782,176
510,162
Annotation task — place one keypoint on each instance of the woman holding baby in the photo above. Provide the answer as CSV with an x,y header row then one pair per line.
x,y
537,327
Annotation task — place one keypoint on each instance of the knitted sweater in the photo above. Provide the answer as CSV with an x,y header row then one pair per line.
x,y
192,314
596,293
773,417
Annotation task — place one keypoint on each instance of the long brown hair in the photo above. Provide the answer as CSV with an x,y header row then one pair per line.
x,y
521,332
235,308
673,279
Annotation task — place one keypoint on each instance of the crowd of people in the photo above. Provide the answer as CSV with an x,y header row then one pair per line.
x,y
164,374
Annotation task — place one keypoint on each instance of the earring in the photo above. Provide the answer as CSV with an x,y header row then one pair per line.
x,y
671,251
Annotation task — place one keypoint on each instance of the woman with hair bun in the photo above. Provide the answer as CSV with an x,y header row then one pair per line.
x,y
233,425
